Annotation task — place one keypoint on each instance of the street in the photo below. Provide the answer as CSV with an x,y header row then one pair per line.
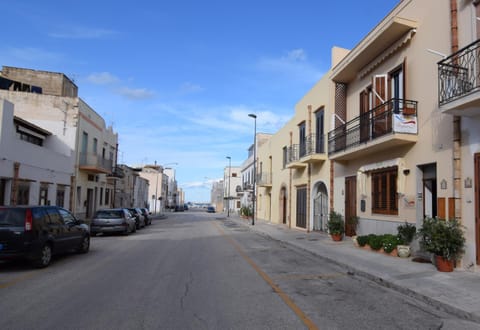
x,y
197,270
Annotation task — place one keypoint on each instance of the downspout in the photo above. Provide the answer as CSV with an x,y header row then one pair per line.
x,y
290,188
309,168
457,127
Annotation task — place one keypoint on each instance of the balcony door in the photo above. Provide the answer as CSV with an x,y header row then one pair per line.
x,y
365,107
302,139
381,116
320,132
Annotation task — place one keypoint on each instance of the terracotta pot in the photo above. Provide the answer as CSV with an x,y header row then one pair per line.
x,y
443,265
337,237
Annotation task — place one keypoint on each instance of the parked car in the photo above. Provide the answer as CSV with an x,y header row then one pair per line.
x,y
179,208
139,219
210,209
146,215
113,221
39,232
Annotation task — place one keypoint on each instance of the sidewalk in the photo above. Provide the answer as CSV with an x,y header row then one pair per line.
x,y
457,292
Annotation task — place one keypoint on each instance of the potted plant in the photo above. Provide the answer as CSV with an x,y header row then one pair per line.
x,y
406,234
336,226
445,239
389,243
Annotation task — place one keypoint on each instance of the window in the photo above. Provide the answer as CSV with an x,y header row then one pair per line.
x,y
3,184
107,196
95,143
23,193
396,88
384,191
29,138
284,157
101,195
60,200
67,217
43,198
319,123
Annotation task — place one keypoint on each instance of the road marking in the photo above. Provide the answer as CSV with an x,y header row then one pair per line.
x,y
305,319
295,277
16,280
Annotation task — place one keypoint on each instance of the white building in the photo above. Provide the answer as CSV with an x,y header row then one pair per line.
x,y
34,168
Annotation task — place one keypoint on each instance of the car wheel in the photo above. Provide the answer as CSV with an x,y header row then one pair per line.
x,y
84,245
44,256
134,230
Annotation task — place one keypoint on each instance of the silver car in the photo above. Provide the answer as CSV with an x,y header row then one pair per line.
x,y
113,221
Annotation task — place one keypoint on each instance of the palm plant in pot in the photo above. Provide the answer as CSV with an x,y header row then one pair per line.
x,y
406,234
445,239
336,226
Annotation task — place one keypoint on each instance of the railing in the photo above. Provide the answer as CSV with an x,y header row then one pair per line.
x,y
393,116
459,74
293,153
313,145
94,160
264,178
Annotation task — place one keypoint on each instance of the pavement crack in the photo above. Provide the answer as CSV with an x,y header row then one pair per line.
x,y
186,290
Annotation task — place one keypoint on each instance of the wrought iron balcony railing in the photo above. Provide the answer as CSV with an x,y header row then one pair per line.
x,y
393,116
459,74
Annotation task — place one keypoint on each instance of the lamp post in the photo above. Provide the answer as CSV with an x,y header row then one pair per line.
x,y
156,189
229,170
254,164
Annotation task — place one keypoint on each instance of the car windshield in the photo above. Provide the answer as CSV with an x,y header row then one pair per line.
x,y
12,217
109,214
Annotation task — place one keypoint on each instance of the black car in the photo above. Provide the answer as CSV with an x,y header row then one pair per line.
x,y
38,232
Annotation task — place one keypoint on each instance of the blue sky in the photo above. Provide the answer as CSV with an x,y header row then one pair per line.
x,y
177,79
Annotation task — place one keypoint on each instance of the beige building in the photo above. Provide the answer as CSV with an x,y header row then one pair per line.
x,y
400,128
49,100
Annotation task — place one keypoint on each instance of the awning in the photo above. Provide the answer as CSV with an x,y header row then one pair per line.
x,y
362,174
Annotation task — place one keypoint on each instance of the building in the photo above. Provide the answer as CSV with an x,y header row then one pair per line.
x,y
158,187
130,190
232,184
33,168
400,130
49,100
217,195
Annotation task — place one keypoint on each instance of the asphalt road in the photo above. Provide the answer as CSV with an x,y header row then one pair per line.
x,y
196,270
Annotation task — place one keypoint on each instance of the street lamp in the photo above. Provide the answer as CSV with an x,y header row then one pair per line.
x,y
254,164
229,170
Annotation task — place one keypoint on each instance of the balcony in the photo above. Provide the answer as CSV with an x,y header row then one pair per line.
x,y
389,125
117,172
293,156
459,82
264,179
313,151
93,163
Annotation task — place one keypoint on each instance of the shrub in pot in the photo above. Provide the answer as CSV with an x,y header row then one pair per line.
x,y
362,240
375,241
336,225
389,242
445,239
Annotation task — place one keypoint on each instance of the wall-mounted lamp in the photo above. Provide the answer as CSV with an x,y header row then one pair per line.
x,y
406,171
443,184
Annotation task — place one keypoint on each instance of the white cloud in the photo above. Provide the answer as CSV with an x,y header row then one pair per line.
x,y
102,78
135,94
82,33
293,66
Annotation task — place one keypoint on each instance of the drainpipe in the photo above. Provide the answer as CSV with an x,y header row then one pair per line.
x,y
309,168
290,188
457,127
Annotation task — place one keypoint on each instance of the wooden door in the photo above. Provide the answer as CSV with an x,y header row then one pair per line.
x,y
301,207
381,116
350,204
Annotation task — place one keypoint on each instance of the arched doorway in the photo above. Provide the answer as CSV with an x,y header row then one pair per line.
x,y
320,207
283,205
